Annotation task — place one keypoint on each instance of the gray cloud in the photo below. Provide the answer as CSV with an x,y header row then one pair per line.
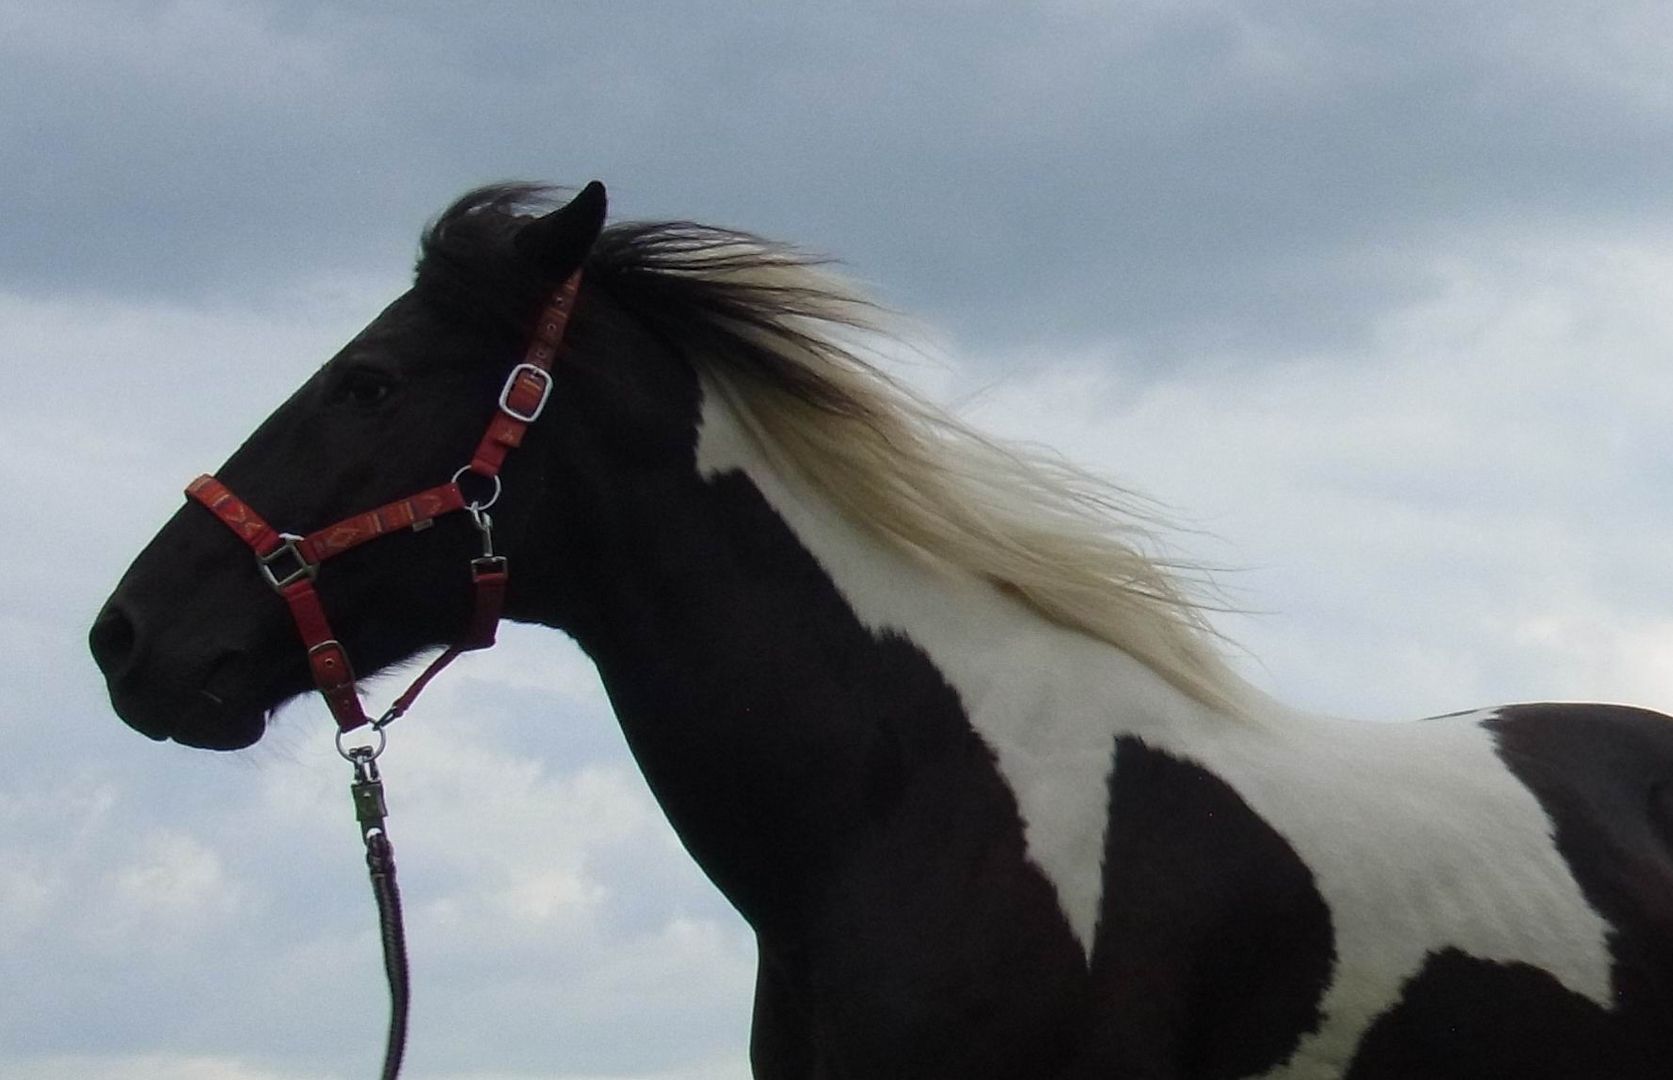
x,y
1185,176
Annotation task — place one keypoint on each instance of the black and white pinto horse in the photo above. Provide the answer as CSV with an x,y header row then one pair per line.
x,y
918,702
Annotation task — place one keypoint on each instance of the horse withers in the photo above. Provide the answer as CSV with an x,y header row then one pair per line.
x,y
962,754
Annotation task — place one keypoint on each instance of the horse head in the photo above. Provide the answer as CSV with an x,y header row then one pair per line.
x,y
193,643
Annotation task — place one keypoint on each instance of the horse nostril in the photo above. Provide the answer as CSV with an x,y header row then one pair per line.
x,y
112,640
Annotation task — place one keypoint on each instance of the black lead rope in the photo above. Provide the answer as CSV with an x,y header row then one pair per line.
x,y
370,810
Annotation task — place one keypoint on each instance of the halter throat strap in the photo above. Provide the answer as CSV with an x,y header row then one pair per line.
x,y
289,562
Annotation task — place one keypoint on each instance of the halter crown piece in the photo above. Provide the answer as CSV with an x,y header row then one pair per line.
x,y
289,562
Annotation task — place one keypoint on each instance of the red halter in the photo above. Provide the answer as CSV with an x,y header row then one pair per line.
x,y
289,562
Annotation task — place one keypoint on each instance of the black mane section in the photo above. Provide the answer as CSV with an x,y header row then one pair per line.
x,y
725,297
734,300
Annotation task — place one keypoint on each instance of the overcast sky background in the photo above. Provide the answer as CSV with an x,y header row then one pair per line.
x,y
1376,294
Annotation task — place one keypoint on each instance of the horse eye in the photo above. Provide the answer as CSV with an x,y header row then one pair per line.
x,y
364,387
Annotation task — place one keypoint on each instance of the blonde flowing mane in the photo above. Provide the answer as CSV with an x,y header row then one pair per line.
x,y
782,337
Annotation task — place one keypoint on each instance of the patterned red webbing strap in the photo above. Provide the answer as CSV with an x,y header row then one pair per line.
x,y
289,562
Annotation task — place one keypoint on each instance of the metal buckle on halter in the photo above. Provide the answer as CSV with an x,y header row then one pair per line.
x,y
533,414
303,568
329,662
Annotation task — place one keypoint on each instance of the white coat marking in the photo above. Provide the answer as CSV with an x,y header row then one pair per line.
x,y
1417,836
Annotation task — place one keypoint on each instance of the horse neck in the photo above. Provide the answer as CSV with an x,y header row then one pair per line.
x,y
780,672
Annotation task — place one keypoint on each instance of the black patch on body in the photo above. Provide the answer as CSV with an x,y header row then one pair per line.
x,y
1602,773
1465,1018
1215,946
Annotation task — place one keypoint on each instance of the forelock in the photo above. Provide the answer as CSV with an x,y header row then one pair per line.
x,y
468,267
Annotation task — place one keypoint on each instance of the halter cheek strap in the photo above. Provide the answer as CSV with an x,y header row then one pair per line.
x,y
289,562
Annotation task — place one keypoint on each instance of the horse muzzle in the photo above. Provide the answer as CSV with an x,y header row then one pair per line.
x,y
202,702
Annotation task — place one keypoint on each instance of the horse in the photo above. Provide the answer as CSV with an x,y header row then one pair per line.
x,y
926,707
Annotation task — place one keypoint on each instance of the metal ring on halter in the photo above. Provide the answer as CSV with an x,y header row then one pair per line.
x,y
376,748
492,499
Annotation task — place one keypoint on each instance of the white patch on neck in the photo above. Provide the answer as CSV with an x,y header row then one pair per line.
x,y
1053,742
1418,837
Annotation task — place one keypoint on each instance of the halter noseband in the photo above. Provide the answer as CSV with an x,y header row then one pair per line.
x,y
289,562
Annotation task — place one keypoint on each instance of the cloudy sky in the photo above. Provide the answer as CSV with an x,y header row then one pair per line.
x,y
1376,295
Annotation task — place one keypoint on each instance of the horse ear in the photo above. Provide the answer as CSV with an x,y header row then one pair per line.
x,y
558,242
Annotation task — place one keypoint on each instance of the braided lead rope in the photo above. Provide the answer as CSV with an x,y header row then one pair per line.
x,y
369,810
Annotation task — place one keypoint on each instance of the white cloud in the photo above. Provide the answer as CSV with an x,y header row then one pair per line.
x,y
196,1067
732,1068
39,877
150,1067
1488,461
206,46
28,886
1620,47
171,882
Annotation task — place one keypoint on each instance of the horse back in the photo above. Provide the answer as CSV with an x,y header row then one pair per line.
x,y
1604,775
1229,941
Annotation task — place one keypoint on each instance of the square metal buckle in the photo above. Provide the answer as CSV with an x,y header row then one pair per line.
x,y
303,569
511,382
